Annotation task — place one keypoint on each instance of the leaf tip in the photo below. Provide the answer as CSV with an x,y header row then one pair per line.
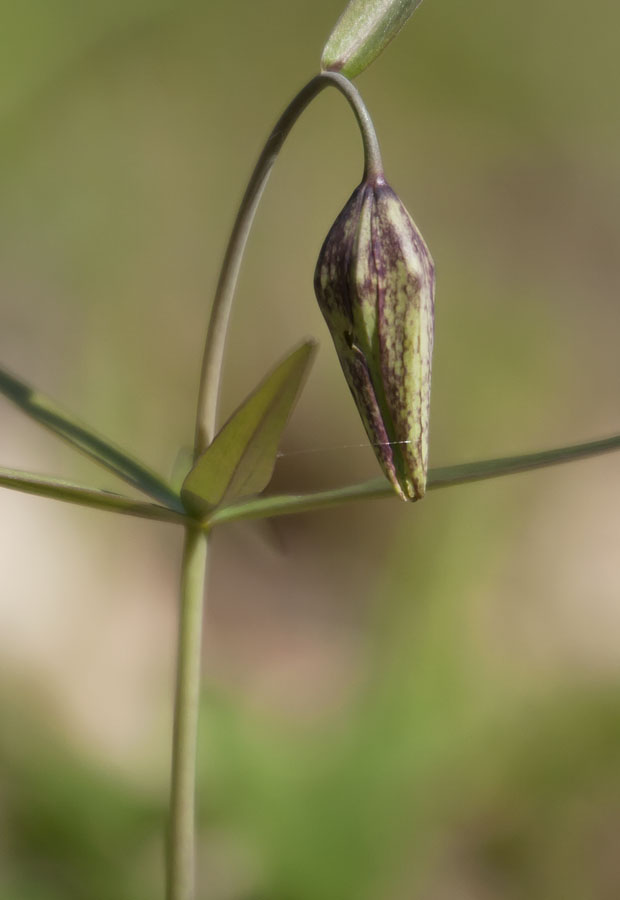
x,y
362,32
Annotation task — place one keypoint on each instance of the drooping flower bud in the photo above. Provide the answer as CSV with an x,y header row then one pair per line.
x,y
375,283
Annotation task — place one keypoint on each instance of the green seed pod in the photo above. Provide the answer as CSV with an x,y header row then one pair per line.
x,y
375,283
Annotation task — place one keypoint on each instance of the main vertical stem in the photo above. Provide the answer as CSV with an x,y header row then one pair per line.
x,y
181,831
181,836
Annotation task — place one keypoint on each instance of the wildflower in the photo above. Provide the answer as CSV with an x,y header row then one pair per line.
x,y
375,281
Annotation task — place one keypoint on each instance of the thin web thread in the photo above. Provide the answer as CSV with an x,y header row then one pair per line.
x,y
285,453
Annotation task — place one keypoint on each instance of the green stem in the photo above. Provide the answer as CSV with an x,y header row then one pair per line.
x,y
181,840
181,835
222,303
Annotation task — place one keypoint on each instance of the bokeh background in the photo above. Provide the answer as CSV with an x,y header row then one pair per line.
x,y
400,702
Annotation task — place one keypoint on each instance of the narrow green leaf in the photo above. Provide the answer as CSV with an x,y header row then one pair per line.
x,y
43,409
511,465
240,460
363,30
59,489
290,504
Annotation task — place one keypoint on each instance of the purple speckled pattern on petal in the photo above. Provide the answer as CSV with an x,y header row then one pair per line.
x,y
405,322
374,281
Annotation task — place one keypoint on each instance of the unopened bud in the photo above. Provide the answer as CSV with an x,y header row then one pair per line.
x,y
375,282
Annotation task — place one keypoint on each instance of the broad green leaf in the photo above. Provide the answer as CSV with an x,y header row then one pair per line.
x,y
43,409
240,460
362,32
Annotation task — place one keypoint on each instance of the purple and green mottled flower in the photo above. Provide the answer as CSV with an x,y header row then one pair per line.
x,y
375,283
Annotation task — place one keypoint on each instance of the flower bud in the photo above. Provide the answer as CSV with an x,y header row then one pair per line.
x,y
375,283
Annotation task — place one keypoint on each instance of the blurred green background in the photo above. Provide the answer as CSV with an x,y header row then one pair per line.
x,y
400,702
